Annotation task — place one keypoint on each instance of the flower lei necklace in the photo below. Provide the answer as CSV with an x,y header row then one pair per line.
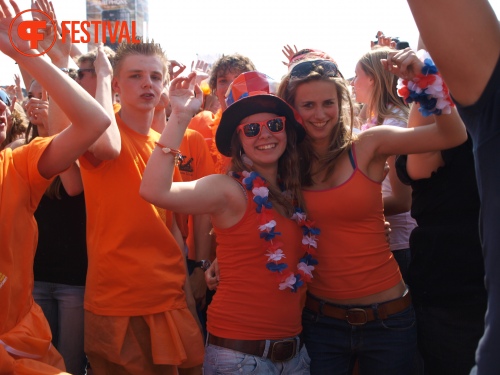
x,y
275,255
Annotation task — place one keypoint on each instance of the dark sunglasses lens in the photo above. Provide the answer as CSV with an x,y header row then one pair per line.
x,y
303,69
275,125
251,130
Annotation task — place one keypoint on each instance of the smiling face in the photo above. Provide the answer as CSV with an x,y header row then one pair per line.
x,y
317,104
139,81
266,148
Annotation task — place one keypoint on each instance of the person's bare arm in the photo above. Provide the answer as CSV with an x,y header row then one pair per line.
x,y
108,146
463,37
86,115
420,166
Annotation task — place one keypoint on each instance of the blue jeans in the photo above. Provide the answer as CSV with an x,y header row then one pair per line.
x,y
63,307
385,347
222,361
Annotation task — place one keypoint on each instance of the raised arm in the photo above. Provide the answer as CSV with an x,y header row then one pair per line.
x,y
463,37
212,194
108,146
445,132
88,118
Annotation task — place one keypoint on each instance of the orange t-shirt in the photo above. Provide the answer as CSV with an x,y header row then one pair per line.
x,y
24,331
203,123
197,163
354,257
248,304
135,265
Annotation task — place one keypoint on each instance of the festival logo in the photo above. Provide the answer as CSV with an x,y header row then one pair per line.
x,y
114,27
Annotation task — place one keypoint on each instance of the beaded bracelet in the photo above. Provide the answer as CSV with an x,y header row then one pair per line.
x,y
428,89
167,150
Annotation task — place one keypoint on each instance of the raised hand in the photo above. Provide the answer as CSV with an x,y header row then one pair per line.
x,y
175,68
60,52
201,66
383,41
405,63
102,64
38,110
185,96
17,80
289,52
7,14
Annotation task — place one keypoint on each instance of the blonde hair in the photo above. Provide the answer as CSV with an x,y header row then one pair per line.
x,y
384,99
340,138
143,48
18,127
92,56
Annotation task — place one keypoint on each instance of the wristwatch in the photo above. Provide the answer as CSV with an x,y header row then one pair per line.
x,y
203,264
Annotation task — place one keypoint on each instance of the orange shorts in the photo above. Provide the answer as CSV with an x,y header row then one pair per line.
x,y
148,344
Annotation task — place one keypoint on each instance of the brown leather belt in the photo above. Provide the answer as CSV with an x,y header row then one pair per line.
x,y
279,350
357,316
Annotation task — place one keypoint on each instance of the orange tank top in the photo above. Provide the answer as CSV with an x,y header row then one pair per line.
x,y
248,304
353,254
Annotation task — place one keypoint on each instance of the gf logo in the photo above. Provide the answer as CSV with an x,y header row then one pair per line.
x,y
32,32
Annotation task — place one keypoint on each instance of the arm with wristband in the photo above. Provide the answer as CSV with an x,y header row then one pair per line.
x,y
422,85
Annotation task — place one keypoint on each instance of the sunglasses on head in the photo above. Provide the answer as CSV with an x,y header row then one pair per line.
x,y
253,129
304,68
5,98
81,71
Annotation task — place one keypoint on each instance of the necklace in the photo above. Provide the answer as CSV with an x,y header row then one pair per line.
x,y
287,279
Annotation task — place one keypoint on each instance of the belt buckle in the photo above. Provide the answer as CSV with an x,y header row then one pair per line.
x,y
351,313
284,345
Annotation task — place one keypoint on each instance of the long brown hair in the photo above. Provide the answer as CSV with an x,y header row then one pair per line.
x,y
341,137
287,164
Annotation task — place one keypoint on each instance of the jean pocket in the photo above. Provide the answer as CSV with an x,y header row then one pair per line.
x,y
230,362
401,321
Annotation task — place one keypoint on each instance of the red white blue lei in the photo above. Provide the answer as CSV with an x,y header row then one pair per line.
x,y
272,246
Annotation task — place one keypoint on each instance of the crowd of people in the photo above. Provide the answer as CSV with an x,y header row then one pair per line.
x,y
154,221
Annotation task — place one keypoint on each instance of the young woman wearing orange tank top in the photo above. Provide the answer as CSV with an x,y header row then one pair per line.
x,y
265,244
357,306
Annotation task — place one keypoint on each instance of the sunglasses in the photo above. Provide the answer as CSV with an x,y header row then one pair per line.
x,y
253,129
5,98
81,71
304,68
